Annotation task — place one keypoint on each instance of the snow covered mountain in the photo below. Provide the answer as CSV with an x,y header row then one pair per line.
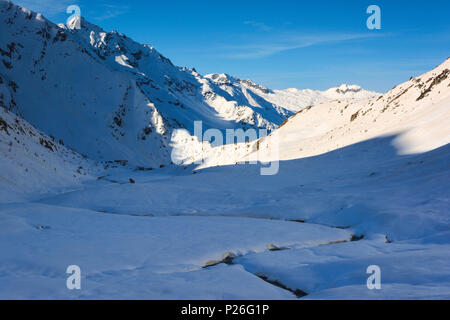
x,y
109,97
120,100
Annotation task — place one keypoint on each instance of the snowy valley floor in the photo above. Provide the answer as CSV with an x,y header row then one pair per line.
x,y
164,236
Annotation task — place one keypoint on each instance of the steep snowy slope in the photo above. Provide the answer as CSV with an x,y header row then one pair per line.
x,y
65,91
33,163
182,86
107,96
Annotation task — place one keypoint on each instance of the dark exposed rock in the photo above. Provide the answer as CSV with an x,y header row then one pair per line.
x,y
47,144
356,238
354,116
4,126
227,258
444,75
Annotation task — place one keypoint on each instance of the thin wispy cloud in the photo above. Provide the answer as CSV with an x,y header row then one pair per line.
x,y
109,11
258,25
278,44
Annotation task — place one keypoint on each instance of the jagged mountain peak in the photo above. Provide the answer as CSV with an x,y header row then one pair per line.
x,y
346,91
224,79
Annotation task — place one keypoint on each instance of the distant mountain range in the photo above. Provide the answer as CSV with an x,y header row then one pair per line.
x,y
110,98
416,111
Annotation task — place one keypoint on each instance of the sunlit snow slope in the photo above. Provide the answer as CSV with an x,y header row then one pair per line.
x,y
417,111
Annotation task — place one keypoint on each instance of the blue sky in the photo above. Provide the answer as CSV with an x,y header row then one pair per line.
x,y
281,44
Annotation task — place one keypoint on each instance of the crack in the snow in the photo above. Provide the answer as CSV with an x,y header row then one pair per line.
x,y
298,293
229,258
